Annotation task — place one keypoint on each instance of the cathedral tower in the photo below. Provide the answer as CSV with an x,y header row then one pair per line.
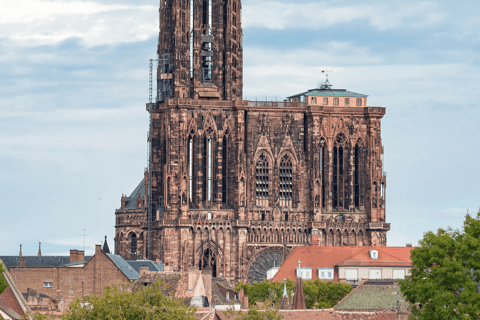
x,y
233,186
200,50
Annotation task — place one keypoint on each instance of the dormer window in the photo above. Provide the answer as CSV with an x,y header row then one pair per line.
x,y
305,273
325,101
335,102
374,254
314,100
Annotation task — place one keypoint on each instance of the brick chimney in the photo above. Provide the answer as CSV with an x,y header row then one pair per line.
x,y
73,255
22,262
98,248
81,256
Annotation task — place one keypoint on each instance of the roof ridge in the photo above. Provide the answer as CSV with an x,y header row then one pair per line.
x,y
353,255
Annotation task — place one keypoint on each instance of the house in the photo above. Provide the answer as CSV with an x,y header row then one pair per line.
x,y
52,288
345,264
12,303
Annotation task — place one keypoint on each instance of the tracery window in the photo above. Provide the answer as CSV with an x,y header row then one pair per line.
x,y
286,182
340,173
322,169
262,181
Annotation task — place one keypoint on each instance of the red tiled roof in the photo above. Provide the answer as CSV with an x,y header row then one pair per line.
x,y
314,257
385,257
329,257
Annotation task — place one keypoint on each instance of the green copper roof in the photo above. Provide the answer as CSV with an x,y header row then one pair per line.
x,y
331,93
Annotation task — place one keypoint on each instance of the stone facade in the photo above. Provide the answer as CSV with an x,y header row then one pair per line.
x,y
235,185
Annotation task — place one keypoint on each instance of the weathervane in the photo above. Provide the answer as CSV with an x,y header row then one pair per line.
x,y
326,84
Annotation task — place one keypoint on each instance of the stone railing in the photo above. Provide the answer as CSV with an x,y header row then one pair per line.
x,y
277,104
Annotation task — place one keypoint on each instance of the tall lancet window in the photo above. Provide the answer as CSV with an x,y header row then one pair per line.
x,y
322,152
286,182
209,169
133,248
225,170
190,169
356,176
340,173
262,181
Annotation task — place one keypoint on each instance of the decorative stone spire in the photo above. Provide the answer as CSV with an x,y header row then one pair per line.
x,y
39,248
284,303
21,254
299,296
106,249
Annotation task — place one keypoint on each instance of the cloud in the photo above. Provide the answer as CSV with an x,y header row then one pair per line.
x,y
319,15
34,22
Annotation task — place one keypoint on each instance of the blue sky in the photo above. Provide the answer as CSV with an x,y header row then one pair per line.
x,y
74,83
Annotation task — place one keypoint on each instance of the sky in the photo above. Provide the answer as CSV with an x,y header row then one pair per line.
x,y
74,83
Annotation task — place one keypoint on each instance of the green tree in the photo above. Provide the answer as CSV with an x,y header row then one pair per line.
x,y
149,303
265,290
324,294
318,294
3,282
255,313
445,268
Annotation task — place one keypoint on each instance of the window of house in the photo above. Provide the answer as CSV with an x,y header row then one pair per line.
x,y
325,273
347,101
351,274
374,254
314,100
325,101
335,102
375,273
305,273
399,274
47,284
359,102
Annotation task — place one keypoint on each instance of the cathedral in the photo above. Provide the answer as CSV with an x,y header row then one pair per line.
x,y
233,186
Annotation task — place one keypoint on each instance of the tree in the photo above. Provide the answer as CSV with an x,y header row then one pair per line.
x,y
445,269
255,313
324,294
318,294
149,303
3,282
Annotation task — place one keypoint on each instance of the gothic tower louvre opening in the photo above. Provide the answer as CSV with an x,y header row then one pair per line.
x,y
233,186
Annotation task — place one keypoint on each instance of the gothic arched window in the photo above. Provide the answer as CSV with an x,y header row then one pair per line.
x,y
262,181
286,182
133,248
225,170
340,185
190,168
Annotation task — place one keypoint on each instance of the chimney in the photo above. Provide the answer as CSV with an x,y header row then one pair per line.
x,y
409,245
245,302
39,249
21,251
242,294
73,256
98,248
143,270
22,262
81,256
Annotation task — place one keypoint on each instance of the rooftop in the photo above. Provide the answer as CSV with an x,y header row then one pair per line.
x,y
330,93
373,297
